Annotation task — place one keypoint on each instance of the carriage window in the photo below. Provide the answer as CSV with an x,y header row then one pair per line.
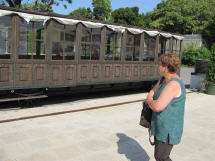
x,y
69,42
149,48
63,41
162,44
5,37
176,46
31,40
90,44
132,47
168,49
113,45
25,44
38,33
57,38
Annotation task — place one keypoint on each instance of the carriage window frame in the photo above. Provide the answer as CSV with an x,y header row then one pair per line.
x,y
113,43
66,38
31,40
90,43
176,47
132,52
162,46
168,47
149,46
5,37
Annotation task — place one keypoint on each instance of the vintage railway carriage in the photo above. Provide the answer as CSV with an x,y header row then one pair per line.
x,y
50,51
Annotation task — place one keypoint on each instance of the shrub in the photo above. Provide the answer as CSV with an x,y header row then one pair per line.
x,y
191,54
211,66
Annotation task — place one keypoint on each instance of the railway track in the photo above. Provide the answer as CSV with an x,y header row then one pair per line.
x,y
70,111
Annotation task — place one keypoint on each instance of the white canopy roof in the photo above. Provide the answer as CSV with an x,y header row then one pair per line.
x,y
32,17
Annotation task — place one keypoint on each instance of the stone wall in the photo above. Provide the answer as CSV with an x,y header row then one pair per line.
x,y
196,40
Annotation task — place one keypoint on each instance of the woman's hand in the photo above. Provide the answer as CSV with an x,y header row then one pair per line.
x,y
152,92
150,95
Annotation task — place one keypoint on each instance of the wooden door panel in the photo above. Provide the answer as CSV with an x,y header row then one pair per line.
x,y
127,71
56,74
6,75
107,72
151,71
95,72
69,74
135,72
39,74
24,75
117,72
147,71
157,75
84,73
143,71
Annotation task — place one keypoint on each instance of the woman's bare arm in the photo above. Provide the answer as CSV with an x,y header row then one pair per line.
x,y
153,90
171,90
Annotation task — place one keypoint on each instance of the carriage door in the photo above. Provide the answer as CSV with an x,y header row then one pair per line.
x,y
62,69
149,68
6,56
30,66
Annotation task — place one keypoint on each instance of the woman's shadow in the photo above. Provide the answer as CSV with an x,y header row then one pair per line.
x,y
131,148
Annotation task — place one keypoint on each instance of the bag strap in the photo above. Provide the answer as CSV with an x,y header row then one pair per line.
x,y
150,135
149,130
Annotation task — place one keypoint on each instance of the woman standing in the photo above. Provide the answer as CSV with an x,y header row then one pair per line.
x,y
167,101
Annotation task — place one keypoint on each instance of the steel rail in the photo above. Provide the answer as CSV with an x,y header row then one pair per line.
x,y
71,111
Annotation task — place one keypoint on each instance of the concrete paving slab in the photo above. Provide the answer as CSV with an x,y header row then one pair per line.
x,y
108,134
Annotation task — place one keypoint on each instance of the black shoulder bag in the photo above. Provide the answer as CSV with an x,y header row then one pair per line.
x,y
145,119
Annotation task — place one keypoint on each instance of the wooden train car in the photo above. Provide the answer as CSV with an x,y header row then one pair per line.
x,y
49,51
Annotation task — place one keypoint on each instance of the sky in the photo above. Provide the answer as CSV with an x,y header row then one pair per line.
x,y
144,5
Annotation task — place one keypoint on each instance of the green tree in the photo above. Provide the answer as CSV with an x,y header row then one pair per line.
x,y
2,3
101,9
209,32
182,16
129,16
211,69
38,5
147,18
82,13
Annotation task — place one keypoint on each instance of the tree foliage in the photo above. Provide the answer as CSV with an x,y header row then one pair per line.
x,y
37,5
129,16
147,18
209,32
83,13
101,9
183,16
211,66
2,3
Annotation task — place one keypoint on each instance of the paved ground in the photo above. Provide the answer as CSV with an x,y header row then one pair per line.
x,y
109,134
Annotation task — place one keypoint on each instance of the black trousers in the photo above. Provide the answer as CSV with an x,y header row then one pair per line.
x,y
162,150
